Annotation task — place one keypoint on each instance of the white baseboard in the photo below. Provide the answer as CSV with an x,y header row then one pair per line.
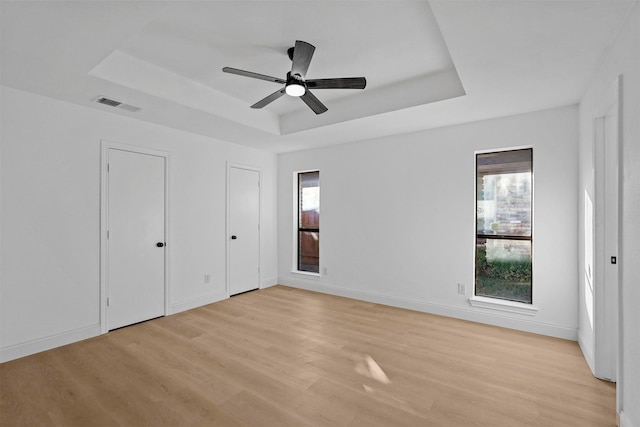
x,y
267,283
196,302
625,421
47,343
588,354
474,315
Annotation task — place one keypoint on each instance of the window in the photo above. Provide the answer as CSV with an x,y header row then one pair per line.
x,y
503,225
309,222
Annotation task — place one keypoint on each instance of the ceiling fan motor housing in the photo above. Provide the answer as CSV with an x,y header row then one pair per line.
x,y
296,86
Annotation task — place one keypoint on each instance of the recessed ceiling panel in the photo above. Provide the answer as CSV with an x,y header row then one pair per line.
x,y
391,43
166,57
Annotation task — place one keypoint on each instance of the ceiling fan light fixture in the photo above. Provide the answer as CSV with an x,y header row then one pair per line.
x,y
295,89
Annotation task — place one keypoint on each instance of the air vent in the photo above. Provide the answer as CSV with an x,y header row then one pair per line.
x,y
109,102
116,104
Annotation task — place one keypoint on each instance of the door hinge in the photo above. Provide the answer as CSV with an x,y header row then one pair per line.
x,y
107,301
107,167
107,234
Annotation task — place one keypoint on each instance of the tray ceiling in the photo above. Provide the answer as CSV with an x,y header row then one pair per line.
x,y
427,64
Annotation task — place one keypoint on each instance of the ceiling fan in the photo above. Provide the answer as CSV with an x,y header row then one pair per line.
x,y
296,83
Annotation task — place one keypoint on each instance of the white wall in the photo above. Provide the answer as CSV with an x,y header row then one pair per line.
x,y
387,236
50,223
622,59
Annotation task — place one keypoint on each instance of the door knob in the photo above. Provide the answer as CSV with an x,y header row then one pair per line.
x,y
160,244
234,237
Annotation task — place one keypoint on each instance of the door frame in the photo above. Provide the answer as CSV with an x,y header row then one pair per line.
x,y
231,165
606,310
104,209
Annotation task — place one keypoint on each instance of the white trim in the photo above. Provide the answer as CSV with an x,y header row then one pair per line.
x,y
620,376
294,223
475,210
491,318
501,149
625,421
503,305
587,352
47,343
107,145
268,282
603,305
306,273
196,302
167,236
227,223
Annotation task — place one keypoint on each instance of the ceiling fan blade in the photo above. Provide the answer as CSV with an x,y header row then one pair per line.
x,y
313,103
252,75
302,54
338,83
269,99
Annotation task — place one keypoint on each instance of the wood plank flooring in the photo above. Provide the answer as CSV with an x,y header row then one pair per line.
x,y
287,357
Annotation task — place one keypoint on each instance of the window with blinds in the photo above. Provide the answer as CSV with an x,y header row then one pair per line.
x,y
504,239
309,221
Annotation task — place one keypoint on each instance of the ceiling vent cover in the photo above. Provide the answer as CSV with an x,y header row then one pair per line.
x,y
117,104
109,102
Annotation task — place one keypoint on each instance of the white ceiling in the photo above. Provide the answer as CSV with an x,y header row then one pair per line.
x,y
427,64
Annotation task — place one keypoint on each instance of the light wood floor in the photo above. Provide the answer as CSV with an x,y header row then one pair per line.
x,y
286,357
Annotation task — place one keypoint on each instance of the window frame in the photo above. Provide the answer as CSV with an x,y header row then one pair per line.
x,y
296,225
496,302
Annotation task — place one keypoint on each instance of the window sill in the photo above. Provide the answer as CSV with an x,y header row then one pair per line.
x,y
305,273
503,305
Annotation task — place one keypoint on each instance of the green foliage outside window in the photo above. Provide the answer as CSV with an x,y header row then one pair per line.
x,y
507,279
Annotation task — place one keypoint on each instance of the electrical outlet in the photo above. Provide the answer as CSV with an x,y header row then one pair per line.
x,y
462,288
207,278
324,271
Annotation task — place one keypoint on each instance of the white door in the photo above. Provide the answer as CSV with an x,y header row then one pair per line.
x,y
606,244
244,230
135,237
608,346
